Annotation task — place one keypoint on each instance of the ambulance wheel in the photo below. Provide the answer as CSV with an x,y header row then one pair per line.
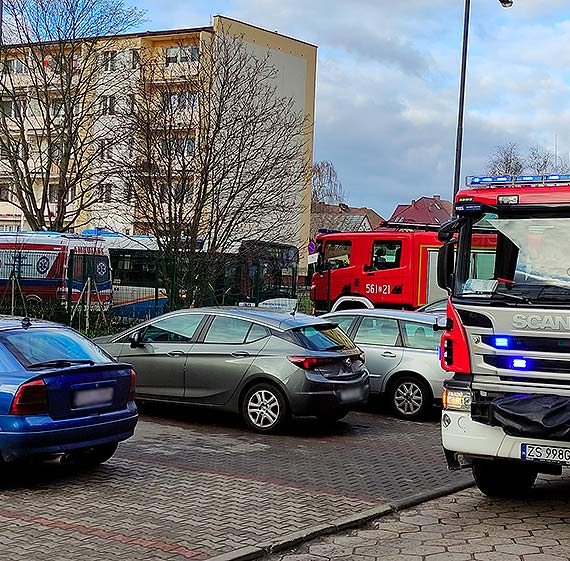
x,y
504,478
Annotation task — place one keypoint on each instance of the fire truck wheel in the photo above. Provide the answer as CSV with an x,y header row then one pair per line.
x,y
410,397
503,478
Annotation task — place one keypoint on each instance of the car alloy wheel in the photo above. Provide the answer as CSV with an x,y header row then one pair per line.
x,y
264,408
410,398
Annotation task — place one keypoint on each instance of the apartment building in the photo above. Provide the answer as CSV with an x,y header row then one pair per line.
x,y
93,167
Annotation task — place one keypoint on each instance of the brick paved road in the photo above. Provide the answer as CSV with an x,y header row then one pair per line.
x,y
185,489
460,527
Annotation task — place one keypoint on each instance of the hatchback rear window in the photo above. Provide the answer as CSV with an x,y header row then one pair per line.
x,y
36,346
323,337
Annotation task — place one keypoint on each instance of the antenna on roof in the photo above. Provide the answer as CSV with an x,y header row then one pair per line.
x,y
294,310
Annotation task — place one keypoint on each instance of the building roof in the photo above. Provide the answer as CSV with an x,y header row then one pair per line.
x,y
343,218
425,210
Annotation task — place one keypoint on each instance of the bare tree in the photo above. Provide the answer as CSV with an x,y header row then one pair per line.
x,y
541,161
507,160
327,187
61,82
218,153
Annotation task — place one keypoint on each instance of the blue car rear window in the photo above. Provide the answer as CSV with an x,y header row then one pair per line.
x,y
33,346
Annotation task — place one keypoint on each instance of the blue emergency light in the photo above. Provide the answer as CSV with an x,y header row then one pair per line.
x,y
502,342
519,363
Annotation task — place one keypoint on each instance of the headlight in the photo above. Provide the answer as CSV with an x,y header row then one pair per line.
x,y
457,400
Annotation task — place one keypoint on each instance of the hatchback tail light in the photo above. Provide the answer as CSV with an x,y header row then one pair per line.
x,y
30,399
132,385
311,362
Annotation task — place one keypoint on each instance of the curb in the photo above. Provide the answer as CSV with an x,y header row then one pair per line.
x,y
340,524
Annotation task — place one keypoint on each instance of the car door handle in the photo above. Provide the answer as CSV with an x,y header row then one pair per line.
x,y
388,354
176,353
240,354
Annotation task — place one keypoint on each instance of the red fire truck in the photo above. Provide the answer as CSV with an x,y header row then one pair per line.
x,y
393,267
506,340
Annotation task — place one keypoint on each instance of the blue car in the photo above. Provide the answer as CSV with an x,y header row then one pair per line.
x,y
60,394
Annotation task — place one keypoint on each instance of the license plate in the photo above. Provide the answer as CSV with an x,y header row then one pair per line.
x,y
538,453
96,396
350,394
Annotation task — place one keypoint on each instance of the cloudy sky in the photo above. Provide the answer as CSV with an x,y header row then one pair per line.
x,y
388,79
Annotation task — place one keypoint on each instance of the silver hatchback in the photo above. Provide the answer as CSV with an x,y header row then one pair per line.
x,y
401,350
267,366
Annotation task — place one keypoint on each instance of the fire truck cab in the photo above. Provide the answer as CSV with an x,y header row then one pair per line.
x,y
394,267
506,340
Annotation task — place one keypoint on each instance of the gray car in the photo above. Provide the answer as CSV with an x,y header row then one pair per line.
x,y
267,366
401,350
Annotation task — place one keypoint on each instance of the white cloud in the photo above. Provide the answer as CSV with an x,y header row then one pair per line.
x,y
388,82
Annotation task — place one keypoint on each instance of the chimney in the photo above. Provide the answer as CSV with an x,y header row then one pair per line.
x,y
437,198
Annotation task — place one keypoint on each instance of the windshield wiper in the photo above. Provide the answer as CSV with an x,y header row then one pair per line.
x,y
60,363
516,297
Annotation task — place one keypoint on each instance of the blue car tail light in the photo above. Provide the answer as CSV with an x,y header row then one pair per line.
x,y
30,399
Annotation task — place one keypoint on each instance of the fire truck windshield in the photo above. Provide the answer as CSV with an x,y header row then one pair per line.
x,y
514,260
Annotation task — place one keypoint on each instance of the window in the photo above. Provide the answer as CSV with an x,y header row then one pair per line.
x,y
57,108
179,146
386,254
53,191
54,150
323,337
16,66
189,53
420,336
130,104
337,254
182,101
344,322
135,59
109,58
13,108
176,329
108,105
256,333
378,331
105,191
4,192
106,147
227,330
46,344
182,193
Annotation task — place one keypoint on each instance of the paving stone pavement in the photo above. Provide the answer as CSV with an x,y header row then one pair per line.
x,y
460,527
188,487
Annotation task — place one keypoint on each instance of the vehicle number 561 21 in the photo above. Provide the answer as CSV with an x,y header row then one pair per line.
x,y
377,289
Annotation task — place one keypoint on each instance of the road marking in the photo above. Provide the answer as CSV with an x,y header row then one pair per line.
x,y
107,535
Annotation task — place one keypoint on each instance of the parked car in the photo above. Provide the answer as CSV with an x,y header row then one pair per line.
x,y
61,394
263,364
402,356
437,307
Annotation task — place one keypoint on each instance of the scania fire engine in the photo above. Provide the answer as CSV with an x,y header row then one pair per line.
x,y
506,409
394,267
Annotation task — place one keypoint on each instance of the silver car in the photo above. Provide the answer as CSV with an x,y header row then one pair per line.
x,y
267,366
401,350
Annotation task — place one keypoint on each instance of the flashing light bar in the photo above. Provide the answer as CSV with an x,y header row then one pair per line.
x,y
475,181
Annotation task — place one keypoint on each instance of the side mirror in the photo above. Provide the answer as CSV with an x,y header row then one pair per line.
x,y
136,339
448,229
366,268
445,263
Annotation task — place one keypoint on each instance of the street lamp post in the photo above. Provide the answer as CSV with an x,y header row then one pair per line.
x,y
461,109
